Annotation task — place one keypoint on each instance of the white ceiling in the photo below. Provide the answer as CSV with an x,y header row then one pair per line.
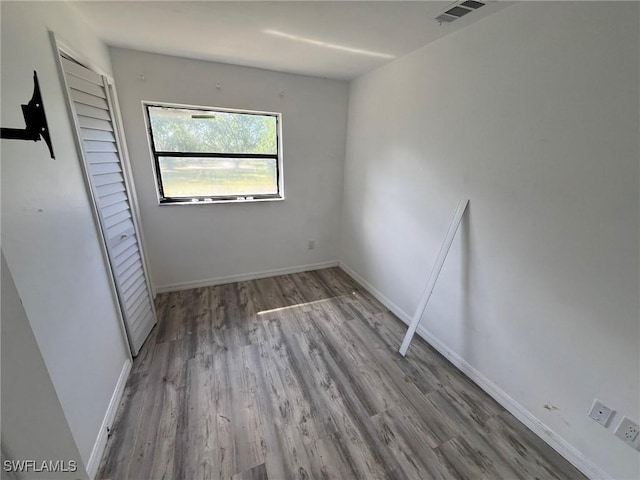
x,y
338,39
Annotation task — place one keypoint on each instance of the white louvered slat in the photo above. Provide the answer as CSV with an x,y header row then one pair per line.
x,y
91,103
115,208
102,168
124,249
105,190
92,112
122,219
130,277
95,123
87,99
142,319
124,245
139,284
127,259
112,199
137,288
136,299
125,231
83,85
102,157
138,308
144,323
76,70
137,305
140,313
119,229
93,146
139,320
107,178
99,135
135,258
117,218
130,252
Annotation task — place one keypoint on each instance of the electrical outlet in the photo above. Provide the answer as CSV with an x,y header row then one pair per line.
x,y
311,245
628,432
601,413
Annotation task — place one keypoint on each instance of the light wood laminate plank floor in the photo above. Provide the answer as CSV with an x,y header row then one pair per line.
x,y
298,377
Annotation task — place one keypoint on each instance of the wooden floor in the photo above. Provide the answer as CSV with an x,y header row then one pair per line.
x,y
298,376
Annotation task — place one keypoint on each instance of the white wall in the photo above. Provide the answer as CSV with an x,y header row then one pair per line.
x,y
194,244
533,114
49,236
33,423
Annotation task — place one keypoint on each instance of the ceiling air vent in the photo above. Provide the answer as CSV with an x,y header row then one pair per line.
x,y
472,4
459,10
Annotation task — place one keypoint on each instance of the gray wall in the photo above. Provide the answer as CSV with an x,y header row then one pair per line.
x,y
49,237
33,423
533,114
198,244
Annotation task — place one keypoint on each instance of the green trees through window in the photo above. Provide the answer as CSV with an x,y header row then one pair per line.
x,y
214,154
184,130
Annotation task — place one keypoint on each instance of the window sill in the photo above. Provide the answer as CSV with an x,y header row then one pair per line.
x,y
216,202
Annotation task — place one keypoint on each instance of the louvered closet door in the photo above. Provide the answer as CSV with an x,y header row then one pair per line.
x,y
92,108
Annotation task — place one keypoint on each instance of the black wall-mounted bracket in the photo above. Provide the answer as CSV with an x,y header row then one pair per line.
x,y
35,119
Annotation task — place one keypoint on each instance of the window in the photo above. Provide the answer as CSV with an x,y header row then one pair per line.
x,y
214,155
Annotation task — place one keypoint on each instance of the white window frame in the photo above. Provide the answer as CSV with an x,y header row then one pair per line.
x,y
203,200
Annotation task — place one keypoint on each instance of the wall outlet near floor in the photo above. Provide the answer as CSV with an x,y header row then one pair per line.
x,y
601,413
311,245
628,432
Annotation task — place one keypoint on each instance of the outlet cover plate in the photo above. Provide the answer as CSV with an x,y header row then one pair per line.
x,y
629,432
601,413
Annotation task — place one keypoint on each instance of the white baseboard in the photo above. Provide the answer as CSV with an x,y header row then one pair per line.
x,y
209,282
114,403
397,311
570,453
